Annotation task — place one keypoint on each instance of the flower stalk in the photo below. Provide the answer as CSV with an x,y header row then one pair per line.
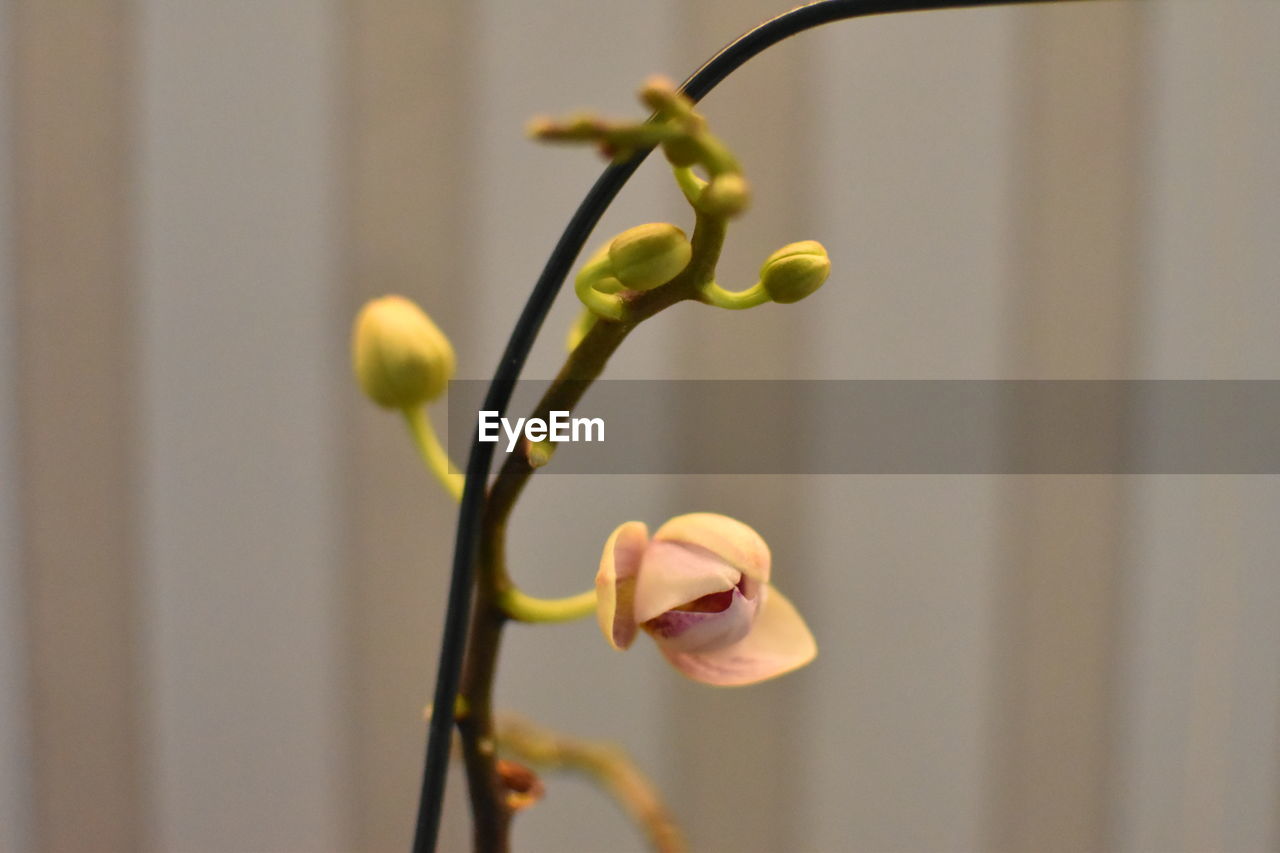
x,y
641,272
526,608
490,811
433,455
485,628
607,764
493,584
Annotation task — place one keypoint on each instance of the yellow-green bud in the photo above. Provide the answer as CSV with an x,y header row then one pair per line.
x,y
401,358
794,271
649,255
683,151
726,195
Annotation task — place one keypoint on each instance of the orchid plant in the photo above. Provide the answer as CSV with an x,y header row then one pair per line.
x,y
700,586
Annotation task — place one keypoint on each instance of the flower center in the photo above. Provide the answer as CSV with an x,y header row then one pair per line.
x,y
716,602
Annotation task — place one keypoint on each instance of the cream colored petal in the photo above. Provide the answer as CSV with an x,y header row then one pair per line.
x,y
778,642
736,543
673,574
616,582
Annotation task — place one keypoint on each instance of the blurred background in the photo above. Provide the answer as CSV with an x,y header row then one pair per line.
x,y
222,572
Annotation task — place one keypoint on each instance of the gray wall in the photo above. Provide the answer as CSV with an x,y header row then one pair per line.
x,y
221,572
14,787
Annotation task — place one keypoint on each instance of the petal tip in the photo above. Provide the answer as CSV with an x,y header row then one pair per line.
x,y
778,643
734,541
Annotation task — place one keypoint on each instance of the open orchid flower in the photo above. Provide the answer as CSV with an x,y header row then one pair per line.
x,y
700,587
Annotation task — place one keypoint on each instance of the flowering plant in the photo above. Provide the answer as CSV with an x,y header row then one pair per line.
x,y
700,586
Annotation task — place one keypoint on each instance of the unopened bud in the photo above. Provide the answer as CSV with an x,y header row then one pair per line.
x,y
649,255
523,786
401,358
683,151
726,195
660,93
794,271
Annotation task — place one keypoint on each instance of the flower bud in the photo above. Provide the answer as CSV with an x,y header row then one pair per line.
x,y
726,195
522,785
401,358
649,255
701,589
683,151
794,271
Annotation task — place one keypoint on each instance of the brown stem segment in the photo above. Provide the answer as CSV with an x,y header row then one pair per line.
x,y
605,762
489,809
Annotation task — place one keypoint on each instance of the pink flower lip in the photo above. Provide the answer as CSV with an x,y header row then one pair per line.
x,y
705,630
700,588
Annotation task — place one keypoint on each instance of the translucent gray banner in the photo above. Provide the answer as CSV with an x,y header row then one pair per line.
x,y
893,427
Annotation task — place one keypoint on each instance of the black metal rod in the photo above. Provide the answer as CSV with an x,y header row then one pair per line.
x,y
602,193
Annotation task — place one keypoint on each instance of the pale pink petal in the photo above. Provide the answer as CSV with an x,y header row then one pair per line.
x,y
616,582
673,574
734,542
779,642
686,631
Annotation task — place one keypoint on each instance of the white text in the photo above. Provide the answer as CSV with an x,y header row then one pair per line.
x,y
557,427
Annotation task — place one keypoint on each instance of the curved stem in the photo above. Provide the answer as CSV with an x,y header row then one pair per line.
x,y
526,608
470,531
690,184
714,294
588,359
608,764
514,603
433,455
607,305
491,814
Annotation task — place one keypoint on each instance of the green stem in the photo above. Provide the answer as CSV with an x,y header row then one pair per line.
x,y
490,809
715,156
526,608
714,294
514,603
586,319
433,455
609,306
690,184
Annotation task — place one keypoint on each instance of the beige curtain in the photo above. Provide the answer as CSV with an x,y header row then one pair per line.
x,y
221,573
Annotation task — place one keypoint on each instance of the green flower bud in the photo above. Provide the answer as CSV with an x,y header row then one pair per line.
x,y
726,195
682,151
401,358
794,271
649,255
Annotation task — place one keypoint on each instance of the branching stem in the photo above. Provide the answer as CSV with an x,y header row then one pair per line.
x,y
606,763
494,589
526,608
714,294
